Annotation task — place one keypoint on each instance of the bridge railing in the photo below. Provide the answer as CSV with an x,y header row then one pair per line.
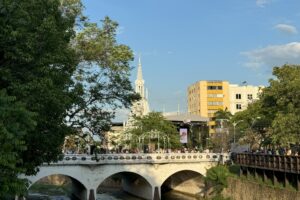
x,y
271,162
143,158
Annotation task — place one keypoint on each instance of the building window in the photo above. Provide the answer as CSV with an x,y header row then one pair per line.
x,y
238,106
215,95
238,96
215,103
213,87
250,96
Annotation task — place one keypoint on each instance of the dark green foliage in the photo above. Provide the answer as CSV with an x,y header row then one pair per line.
x,y
37,63
275,118
282,102
223,114
216,178
57,81
15,123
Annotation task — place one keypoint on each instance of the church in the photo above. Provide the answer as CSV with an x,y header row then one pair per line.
x,y
139,108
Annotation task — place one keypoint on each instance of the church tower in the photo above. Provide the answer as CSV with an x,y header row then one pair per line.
x,y
139,82
141,107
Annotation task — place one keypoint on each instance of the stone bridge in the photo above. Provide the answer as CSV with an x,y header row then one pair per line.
x,y
142,174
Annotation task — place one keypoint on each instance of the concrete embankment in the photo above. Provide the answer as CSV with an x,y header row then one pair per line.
x,y
240,189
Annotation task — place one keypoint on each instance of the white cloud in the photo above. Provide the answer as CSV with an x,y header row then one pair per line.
x,y
262,3
285,28
273,55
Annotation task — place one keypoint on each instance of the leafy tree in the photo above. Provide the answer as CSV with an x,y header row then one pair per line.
x,y
222,139
36,65
149,126
253,125
281,102
15,123
102,77
66,81
216,179
274,119
223,114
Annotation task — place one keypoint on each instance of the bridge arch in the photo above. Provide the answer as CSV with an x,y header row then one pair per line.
x,y
48,171
171,170
190,181
131,182
79,185
134,169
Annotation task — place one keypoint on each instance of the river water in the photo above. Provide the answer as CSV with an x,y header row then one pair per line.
x,y
124,196
117,195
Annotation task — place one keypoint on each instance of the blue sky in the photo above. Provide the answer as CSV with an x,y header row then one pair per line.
x,y
183,41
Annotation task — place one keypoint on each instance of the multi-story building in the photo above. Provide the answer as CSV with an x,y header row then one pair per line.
x,y
207,97
241,96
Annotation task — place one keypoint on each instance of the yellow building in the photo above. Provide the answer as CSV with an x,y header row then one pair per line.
x,y
207,97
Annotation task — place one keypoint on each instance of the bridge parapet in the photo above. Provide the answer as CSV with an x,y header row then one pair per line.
x,y
155,158
289,164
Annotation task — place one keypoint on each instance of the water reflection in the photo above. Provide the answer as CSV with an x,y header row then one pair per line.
x,y
172,195
116,195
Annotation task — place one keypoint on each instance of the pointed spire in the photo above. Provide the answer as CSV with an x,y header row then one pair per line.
x,y
140,73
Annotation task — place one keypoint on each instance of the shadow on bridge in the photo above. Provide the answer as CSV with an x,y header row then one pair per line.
x,y
128,182
185,181
57,186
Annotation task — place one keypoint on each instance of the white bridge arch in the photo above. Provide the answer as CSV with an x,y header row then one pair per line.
x,y
155,169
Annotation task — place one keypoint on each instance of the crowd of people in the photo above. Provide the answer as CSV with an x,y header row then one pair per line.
x,y
281,151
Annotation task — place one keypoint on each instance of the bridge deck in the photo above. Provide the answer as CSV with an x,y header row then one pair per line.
x,y
81,159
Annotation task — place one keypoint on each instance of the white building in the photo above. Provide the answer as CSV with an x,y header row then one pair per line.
x,y
141,107
241,96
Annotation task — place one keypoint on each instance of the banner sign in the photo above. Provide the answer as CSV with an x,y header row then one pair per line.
x,y
183,135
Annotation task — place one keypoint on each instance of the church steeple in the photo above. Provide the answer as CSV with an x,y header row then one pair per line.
x,y
141,107
139,82
140,73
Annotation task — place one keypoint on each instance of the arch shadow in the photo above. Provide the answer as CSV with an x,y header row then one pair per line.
x,y
184,181
128,182
73,187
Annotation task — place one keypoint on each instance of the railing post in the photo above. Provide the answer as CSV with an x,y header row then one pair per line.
x,y
274,178
298,182
285,181
264,175
297,164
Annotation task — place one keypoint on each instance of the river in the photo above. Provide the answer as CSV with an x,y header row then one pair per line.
x,y
117,195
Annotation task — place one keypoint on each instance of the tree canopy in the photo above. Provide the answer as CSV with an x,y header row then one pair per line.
x,y
150,125
275,117
61,73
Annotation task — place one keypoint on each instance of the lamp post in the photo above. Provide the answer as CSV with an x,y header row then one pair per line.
x,y
77,143
234,125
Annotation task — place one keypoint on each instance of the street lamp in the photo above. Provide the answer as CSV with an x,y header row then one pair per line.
x,y
234,125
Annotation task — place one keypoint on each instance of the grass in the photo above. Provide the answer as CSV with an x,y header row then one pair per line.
x,y
234,172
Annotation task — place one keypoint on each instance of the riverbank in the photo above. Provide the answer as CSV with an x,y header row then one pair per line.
x,y
242,189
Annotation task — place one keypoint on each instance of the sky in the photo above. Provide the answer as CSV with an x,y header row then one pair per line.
x,y
184,41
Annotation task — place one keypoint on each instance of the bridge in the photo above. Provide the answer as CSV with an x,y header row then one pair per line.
x,y
279,169
142,174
